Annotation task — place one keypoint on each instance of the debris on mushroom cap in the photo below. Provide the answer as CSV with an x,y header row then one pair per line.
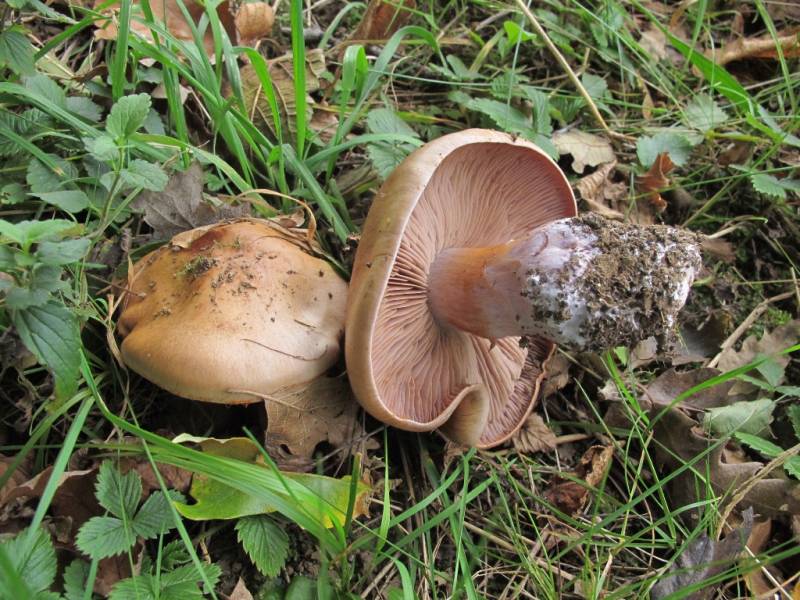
x,y
475,188
232,312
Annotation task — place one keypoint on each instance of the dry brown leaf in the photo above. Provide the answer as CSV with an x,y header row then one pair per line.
x,y
534,436
253,22
182,206
655,180
756,580
585,148
323,410
601,194
760,47
240,591
556,376
570,496
383,18
699,343
654,42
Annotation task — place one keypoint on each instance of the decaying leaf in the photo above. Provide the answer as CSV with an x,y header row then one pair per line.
x,y
382,18
699,343
655,180
703,559
326,498
534,436
759,47
585,148
252,23
601,193
570,496
756,543
321,411
557,375
182,205
240,591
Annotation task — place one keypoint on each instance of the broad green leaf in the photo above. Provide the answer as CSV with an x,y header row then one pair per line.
x,y
22,298
324,498
704,113
516,34
154,517
128,115
265,542
43,179
541,110
30,232
75,576
37,566
71,201
84,107
149,176
183,583
506,117
12,193
745,417
771,370
119,494
386,157
101,537
675,144
770,450
385,120
102,148
301,588
51,333
138,587
62,253
595,86
46,88
16,50
7,261
48,278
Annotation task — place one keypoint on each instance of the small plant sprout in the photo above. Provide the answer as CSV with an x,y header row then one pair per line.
x,y
473,263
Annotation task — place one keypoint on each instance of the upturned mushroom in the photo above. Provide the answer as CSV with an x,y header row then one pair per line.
x,y
472,265
232,313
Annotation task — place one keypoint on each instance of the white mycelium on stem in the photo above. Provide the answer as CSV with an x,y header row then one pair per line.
x,y
585,282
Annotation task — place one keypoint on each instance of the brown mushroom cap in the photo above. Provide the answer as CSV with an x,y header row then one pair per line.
x,y
475,188
231,313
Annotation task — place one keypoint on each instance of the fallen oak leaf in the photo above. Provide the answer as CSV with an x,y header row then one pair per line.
x,y
323,499
570,496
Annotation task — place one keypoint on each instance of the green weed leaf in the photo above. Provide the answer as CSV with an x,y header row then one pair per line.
x,y
143,174
36,567
51,333
265,542
71,201
119,494
770,450
43,179
62,253
75,576
84,107
704,113
769,185
46,88
745,417
101,537
675,144
155,517
16,50
793,413
103,148
128,115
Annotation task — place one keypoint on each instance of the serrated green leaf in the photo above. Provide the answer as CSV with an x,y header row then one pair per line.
x,y
386,157
101,537
184,581
102,148
143,174
385,120
16,51
51,333
506,117
46,88
766,184
30,232
138,587
541,110
703,113
675,144
37,567
63,253
127,115
71,201
119,494
75,576
155,517
12,193
595,86
22,298
792,466
745,417
770,450
265,542
42,179
84,107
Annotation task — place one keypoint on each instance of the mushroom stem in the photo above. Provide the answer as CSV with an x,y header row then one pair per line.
x,y
586,283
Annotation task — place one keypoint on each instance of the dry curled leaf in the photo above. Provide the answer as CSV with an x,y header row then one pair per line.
x,y
534,436
321,411
182,205
253,22
655,180
382,18
764,47
757,542
701,560
571,496
557,375
240,591
585,148
601,193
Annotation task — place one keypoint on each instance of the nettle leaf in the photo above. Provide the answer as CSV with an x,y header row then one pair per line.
x,y
155,517
37,567
51,333
62,253
75,577
119,494
704,113
71,201
101,537
84,107
41,178
745,417
43,86
102,148
265,542
128,115
143,174
675,144
770,450
16,50
767,184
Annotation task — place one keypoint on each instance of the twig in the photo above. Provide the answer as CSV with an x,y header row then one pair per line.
x,y
571,74
745,325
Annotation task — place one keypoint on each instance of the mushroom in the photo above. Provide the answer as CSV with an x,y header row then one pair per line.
x,y
472,264
232,313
